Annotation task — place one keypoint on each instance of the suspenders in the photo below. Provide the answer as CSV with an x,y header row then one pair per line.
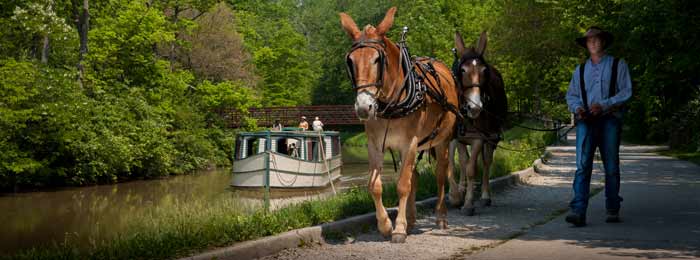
x,y
613,83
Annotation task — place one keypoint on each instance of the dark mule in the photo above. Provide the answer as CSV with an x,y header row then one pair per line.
x,y
483,101
400,113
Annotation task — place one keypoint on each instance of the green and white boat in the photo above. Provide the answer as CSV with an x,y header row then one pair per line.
x,y
286,159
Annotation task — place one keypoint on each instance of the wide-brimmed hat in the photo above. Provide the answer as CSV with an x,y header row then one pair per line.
x,y
596,31
303,117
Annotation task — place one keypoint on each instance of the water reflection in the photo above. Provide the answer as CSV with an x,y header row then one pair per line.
x,y
98,212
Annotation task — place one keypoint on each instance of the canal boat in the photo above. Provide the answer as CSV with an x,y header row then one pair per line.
x,y
290,158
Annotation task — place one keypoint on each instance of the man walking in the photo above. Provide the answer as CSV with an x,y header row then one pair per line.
x,y
599,87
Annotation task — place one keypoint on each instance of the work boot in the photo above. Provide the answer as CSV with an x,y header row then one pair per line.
x,y
613,216
577,220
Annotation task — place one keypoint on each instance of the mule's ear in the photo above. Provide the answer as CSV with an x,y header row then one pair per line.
x,y
388,21
481,47
459,44
349,26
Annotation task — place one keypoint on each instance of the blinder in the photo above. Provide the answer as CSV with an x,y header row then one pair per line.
x,y
369,43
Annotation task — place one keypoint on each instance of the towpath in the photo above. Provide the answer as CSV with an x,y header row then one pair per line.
x,y
661,219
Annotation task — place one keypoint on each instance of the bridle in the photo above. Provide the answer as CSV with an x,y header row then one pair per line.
x,y
412,88
483,78
367,43
412,92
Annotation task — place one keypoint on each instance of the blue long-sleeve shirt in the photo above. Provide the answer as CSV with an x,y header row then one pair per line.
x,y
597,78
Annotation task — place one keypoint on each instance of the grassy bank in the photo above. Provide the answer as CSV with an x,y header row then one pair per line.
x,y
185,228
517,138
505,161
693,157
181,229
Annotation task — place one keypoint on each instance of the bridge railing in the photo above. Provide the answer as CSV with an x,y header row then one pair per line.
x,y
291,116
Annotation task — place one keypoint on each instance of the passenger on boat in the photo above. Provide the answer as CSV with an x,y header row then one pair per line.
x,y
293,151
277,126
318,125
303,124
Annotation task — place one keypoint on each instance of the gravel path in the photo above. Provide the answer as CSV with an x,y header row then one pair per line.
x,y
515,211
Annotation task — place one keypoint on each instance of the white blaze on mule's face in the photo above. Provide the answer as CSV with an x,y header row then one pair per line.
x,y
474,102
471,76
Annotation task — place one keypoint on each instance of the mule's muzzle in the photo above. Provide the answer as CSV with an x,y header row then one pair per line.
x,y
365,106
472,106
364,112
473,111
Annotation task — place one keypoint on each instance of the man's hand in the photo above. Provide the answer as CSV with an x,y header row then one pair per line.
x,y
596,109
580,112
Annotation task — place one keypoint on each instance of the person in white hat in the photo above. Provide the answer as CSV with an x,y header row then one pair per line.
x,y
317,124
597,92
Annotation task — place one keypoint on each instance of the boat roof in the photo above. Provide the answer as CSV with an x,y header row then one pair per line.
x,y
288,133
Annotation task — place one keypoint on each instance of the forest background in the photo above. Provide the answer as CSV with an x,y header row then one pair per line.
x,y
104,91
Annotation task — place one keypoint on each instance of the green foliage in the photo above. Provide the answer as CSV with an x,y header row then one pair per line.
x,y
144,110
133,117
280,53
686,122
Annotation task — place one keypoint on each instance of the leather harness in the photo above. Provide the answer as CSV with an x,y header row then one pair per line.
x,y
414,86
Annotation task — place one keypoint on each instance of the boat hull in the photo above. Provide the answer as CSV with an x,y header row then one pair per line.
x,y
285,172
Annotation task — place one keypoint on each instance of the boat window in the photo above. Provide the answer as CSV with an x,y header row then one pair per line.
x,y
335,143
288,146
252,146
312,153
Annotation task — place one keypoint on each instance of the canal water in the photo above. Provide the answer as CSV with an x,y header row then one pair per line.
x,y
86,214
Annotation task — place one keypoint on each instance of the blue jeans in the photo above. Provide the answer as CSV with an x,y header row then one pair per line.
x,y
603,133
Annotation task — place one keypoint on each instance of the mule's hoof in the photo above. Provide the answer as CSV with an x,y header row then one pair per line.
x,y
484,202
398,238
468,211
386,231
441,223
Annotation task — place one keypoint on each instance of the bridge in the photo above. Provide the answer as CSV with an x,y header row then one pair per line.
x,y
330,115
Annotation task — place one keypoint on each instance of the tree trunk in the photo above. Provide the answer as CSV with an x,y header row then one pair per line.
x,y
171,55
45,50
83,24
538,99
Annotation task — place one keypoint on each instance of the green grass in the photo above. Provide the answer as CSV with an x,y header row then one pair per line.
x,y
355,148
358,139
693,157
182,229
355,154
505,161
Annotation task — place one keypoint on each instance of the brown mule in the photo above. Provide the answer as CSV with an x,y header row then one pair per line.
x,y
376,72
484,103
